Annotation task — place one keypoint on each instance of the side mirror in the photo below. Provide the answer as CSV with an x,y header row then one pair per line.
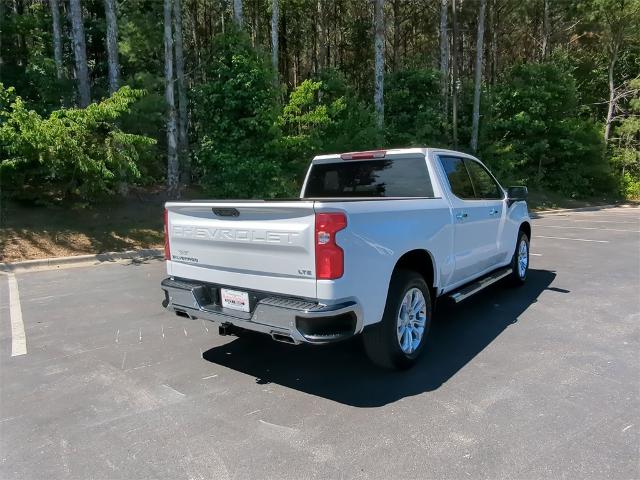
x,y
517,194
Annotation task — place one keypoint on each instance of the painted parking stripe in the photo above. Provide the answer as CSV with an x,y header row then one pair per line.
x,y
587,228
609,215
18,337
574,239
604,221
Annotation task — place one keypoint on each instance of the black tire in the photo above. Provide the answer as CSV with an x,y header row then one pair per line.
x,y
517,278
381,340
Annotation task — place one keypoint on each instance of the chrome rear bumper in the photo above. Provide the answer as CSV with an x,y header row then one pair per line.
x,y
285,319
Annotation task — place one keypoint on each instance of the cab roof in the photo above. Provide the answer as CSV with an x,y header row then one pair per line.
x,y
397,153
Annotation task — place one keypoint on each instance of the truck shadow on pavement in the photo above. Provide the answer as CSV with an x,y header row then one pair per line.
x,y
342,372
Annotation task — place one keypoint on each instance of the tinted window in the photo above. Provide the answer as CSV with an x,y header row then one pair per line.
x,y
370,178
484,185
458,176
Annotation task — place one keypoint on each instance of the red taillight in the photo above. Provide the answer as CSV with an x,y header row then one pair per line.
x,y
369,155
167,249
329,256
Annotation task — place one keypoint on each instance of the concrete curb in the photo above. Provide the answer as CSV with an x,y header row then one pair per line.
x,y
595,208
81,260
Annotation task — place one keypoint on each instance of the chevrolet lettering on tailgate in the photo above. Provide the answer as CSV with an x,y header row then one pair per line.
x,y
235,235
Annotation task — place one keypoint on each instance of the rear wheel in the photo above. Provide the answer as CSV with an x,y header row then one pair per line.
x,y
398,340
520,260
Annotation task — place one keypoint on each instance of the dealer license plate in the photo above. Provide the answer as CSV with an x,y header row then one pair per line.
x,y
234,300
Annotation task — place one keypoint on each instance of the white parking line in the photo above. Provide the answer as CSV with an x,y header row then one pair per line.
x,y
535,254
18,337
609,215
575,239
605,221
587,228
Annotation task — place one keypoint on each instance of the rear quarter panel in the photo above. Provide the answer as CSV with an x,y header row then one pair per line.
x,y
378,233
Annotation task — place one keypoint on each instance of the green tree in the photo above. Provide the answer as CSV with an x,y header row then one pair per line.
x,y
413,110
323,116
537,134
625,151
72,152
234,113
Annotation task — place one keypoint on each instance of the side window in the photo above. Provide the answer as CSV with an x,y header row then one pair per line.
x,y
458,176
483,183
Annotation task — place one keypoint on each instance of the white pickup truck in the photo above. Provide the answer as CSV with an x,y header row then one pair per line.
x,y
373,240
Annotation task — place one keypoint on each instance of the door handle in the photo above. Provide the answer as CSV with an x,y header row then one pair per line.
x,y
494,211
461,215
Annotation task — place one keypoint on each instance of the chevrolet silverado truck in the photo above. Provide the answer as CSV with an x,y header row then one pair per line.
x,y
373,240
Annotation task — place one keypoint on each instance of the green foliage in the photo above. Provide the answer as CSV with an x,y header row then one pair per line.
x,y
625,151
79,152
140,42
252,131
536,133
323,116
147,117
234,113
32,69
413,109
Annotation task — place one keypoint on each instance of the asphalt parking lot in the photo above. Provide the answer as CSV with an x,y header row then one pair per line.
x,y
537,382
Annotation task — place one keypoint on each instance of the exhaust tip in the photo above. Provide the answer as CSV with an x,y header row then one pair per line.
x,y
282,337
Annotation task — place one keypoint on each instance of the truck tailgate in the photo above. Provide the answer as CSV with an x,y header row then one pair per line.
x,y
267,246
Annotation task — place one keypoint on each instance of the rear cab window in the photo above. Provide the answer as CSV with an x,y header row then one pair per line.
x,y
388,177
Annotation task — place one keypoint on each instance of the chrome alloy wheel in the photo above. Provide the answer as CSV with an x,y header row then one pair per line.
x,y
411,321
523,258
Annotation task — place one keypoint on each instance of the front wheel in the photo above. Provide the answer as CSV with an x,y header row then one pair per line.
x,y
520,260
397,341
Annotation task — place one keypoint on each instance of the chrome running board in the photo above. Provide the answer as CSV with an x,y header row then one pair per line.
x,y
474,287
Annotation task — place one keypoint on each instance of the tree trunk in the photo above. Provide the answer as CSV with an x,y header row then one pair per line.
x,y
195,34
612,93
112,45
322,35
285,47
237,13
454,76
183,105
1,32
494,41
378,96
444,55
275,21
475,122
545,31
21,45
222,20
172,154
57,38
80,53
397,25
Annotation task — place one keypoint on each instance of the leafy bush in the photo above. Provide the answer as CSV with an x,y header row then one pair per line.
x,y
234,114
323,116
536,133
79,152
625,151
413,110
